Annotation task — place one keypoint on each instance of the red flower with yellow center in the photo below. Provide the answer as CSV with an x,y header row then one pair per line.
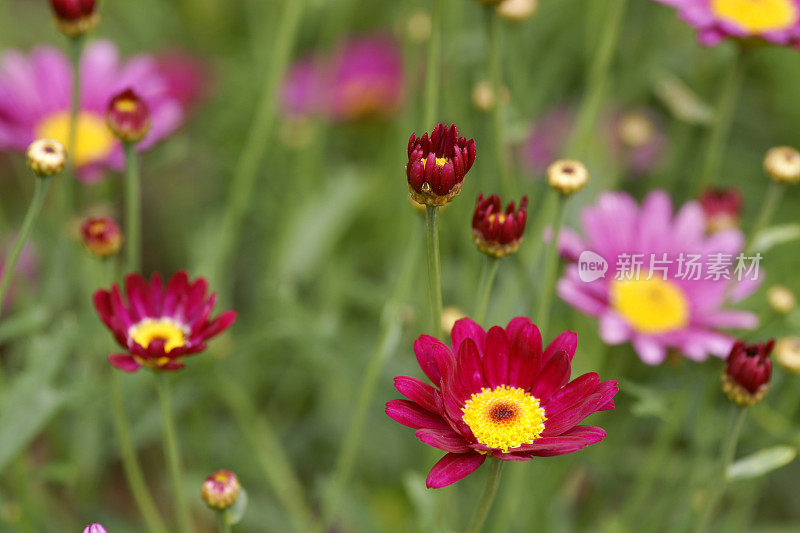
x,y
160,325
748,371
75,17
499,393
496,232
437,165
101,236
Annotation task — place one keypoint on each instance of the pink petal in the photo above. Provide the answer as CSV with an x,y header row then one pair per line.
x,y
453,467
444,439
412,415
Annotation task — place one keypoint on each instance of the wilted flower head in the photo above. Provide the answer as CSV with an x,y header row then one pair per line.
x,y
496,232
437,164
747,372
101,236
722,208
637,139
775,21
517,10
679,306
221,490
781,299
787,353
783,165
500,394
159,325
94,528
46,157
451,315
128,117
75,17
567,176
36,99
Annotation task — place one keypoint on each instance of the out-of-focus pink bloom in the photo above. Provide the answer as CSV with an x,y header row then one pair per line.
x,y
94,528
188,79
775,21
35,95
547,138
682,305
722,208
302,89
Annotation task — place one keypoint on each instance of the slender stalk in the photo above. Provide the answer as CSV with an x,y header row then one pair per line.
x,y
224,526
723,120
550,269
495,67
728,452
597,83
434,267
487,499
771,201
75,50
133,210
485,287
39,193
387,344
172,452
130,464
259,137
434,57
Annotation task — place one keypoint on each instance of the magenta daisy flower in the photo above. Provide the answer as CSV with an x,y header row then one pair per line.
x,y
676,296
160,325
35,94
499,393
776,21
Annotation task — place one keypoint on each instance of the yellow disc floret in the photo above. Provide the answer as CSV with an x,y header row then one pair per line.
x,y
651,306
504,418
94,141
163,329
757,16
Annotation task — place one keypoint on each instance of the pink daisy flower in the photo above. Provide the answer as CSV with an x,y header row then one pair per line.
x,y
499,394
682,305
35,94
776,21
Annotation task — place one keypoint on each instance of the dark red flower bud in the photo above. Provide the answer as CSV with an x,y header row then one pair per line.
x,y
722,208
75,17
747,372
101,236
128,117
437,165
497,232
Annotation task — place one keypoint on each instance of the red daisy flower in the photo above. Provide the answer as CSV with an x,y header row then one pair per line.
x,y
160,325
496,232
437,164
499,394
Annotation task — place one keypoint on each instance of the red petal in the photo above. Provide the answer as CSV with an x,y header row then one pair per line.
x,y
453,467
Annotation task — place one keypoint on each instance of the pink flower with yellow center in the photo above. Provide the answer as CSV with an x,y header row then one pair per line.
x,y
499,394
35,95
775,21
159,325
670,303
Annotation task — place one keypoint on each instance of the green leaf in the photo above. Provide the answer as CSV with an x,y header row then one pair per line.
x,y
775,235
649,402
235,513
762,462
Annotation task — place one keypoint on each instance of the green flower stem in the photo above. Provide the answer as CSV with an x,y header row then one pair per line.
x,y
550,269
387,345
39,193
723,121
75,50
487,499
259,137
130,464
269,453
771,201
172,452
485,287
133,210
728,452
224,526
597,83
434,268
434,58
495,68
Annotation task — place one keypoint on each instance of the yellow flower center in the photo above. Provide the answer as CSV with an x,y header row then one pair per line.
x,y
440,162
162,329
651,306
501,218
94,141
504,418
757,16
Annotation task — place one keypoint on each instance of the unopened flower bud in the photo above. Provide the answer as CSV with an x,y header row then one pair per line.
x,y
787,353
94,528
781,299
419,26
75,17
128,117
221,490
483,96
451,315
722,209
747,372
783,165
567,176
101,236
46,157
517,10
496,232
437,165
